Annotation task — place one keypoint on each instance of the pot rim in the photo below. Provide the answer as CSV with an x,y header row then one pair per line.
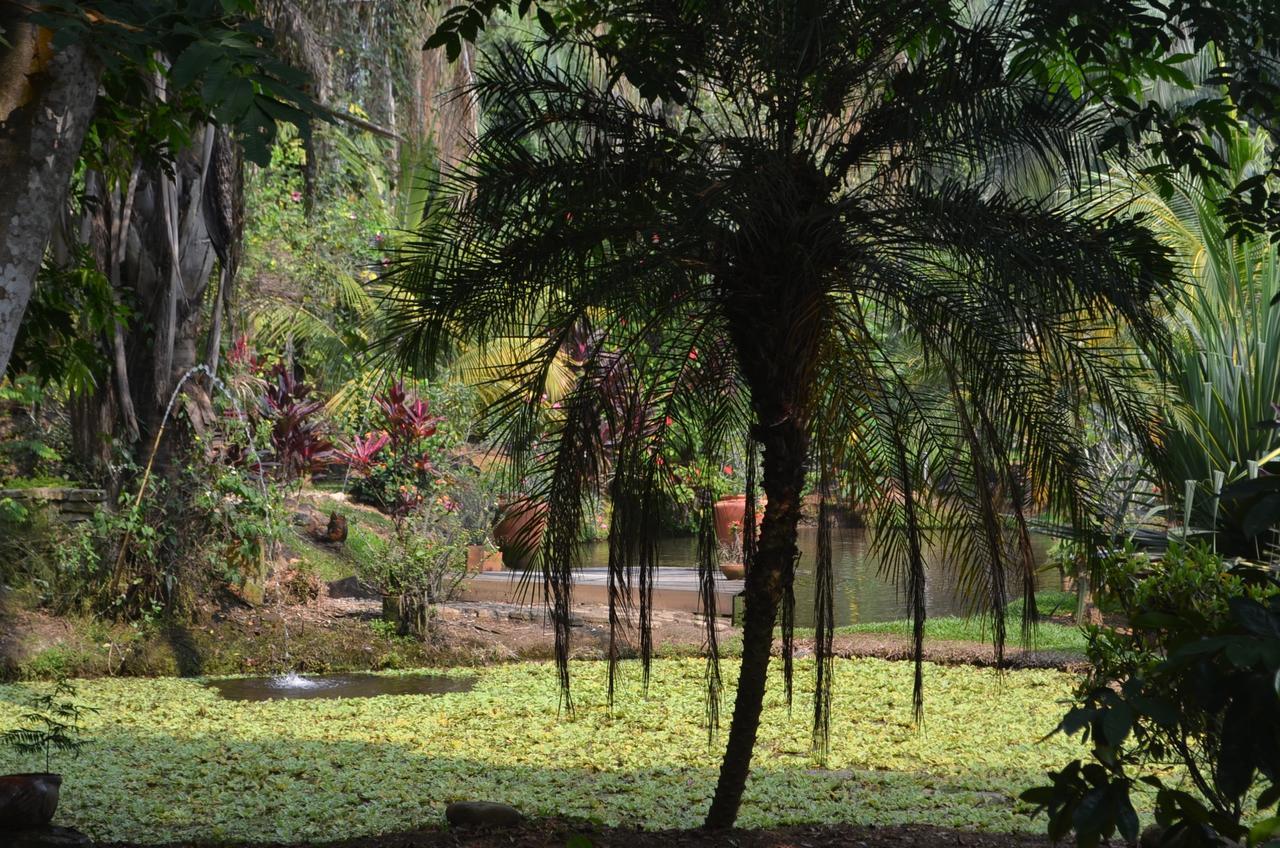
x,y
46,775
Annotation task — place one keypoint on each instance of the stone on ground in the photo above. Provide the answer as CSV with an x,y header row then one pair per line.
x,y
482,814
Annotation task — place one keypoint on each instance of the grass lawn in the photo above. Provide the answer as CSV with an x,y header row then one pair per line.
x,y
1047,636
168,758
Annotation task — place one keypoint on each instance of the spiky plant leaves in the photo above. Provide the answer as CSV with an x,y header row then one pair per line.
x,y
1220,383
826,250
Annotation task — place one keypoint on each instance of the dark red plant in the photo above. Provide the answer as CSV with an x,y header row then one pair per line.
x,y
240,355
297,434
407,418
361,453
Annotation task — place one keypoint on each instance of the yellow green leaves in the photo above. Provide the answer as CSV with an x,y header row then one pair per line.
x,y
166,759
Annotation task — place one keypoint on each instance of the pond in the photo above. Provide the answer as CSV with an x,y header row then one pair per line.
x,y
863,592
296,686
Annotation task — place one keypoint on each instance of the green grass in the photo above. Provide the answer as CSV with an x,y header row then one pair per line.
x,y
367,534
321,562
1047,636
167,759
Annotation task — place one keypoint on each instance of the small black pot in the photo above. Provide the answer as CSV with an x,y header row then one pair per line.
x,y
28,800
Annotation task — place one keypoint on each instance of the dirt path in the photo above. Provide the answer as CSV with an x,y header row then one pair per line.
x,y
341,634
521,632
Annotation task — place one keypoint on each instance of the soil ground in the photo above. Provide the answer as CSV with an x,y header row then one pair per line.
x,y
537,834
345,634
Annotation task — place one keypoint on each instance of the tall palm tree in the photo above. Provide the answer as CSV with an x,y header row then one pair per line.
x,y
793,187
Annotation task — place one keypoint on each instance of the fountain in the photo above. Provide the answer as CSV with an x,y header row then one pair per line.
x,y
289,679
155,446
294,686
290,684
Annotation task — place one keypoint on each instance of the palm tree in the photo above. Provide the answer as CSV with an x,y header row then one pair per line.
x,y
754,206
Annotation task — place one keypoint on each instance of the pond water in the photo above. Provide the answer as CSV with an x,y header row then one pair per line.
x,y
296,686
863,592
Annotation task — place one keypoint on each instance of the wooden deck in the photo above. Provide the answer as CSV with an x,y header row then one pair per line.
x,y
674,589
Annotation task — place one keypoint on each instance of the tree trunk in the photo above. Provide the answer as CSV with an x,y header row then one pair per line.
x,y
159,239
450,113
46,102
785,448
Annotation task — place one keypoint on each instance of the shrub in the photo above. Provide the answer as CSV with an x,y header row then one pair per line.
x,y
297,434
395,465
424,565
1192,682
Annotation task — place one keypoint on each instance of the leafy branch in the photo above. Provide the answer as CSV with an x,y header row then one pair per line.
x,y
54,724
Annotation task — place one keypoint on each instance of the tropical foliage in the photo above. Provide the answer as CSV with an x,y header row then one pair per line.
x,y
1221,384
962,271
740,259
1190,682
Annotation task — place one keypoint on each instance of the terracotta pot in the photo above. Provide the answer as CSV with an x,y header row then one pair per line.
x,y
733,570
518,532
28,800
733,510
480,558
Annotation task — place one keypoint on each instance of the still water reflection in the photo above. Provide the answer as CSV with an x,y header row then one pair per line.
x,y
862,591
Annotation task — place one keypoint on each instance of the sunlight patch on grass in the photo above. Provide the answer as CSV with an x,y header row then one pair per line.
x,y
1046,636
168,759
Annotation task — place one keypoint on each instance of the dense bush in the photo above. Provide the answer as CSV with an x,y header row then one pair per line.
x,y
395,465
424,564
1192,683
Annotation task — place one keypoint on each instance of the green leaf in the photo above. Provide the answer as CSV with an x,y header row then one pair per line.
x,y
1116,723
547,22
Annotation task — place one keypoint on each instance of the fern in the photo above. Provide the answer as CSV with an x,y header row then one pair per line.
x,y
53,724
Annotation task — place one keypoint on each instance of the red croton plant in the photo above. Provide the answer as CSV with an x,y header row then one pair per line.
x,y
398,450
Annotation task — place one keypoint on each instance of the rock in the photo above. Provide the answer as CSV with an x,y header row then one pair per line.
x,y
44,837
337,529
352,587
310,520
1152,836
482,814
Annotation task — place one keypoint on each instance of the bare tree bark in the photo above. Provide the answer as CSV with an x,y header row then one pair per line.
x,y
451,114
160,237
46,102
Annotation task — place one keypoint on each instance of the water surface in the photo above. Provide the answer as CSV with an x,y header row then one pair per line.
x,y
863,591
360,685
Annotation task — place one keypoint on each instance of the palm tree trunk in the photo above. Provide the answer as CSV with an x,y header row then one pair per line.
x,y
785,446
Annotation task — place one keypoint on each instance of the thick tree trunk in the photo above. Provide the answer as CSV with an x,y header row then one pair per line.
x,y
785,448
159,239
46,102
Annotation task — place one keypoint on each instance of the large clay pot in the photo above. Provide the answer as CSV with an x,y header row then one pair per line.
x,y
480,559
519,532
28,800
733,510
733,570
